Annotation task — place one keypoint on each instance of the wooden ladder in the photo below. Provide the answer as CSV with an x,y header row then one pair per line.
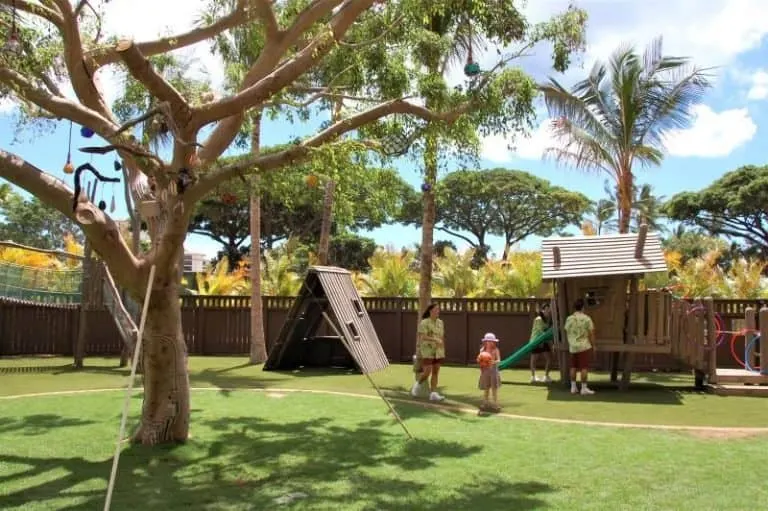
x,y
124,320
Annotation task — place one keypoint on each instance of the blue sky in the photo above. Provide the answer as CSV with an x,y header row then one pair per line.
x,y
727,132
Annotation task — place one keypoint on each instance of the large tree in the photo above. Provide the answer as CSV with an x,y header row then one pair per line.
x,y
616,119
473,204
61,49
734,206
448,31
292,206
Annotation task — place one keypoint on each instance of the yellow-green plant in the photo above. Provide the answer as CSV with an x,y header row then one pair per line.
x,y
745,279
278,277
454,276
519,276
219,281
391,274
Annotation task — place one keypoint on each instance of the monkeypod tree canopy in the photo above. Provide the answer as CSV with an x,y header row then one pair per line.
x,y
310,54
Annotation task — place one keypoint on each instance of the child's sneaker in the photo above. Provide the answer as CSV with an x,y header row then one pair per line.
x,y
436,397
574,389
547,379
416,389
586,391
535,379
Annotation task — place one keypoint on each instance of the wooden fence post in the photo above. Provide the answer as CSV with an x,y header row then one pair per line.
x,y
709,307
750,325
763,339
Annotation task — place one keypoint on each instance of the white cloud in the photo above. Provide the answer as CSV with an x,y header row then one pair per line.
x,y
759,85
496,148
713,134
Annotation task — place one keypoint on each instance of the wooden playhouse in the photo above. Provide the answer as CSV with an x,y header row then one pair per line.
x,y
605,271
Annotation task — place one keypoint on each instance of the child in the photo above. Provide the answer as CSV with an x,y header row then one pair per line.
x,y
490,377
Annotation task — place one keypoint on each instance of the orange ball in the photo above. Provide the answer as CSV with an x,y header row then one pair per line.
x,y
485,359
311,180
69,168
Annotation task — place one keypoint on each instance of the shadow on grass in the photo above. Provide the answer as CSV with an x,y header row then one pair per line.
x,y
253,463
638,393
41,369
39,424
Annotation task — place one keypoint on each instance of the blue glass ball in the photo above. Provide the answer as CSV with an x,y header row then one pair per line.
x,y
86,132
425,187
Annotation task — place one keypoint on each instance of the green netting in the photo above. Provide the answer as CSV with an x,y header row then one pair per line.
x,y
40,284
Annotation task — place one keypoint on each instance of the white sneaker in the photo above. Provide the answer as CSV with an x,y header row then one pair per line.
x,y
535,379
586,391
436,397
416,389
547,379
574,389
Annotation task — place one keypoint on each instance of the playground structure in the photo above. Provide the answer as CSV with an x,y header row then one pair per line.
x,y
91,286
605,271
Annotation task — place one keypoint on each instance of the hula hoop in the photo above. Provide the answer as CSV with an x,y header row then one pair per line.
x,y
747,348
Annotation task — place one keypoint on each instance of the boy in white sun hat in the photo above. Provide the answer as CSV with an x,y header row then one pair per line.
x,y
490,377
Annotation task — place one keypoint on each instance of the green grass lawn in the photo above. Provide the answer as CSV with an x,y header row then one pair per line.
x,y
653,399
293,451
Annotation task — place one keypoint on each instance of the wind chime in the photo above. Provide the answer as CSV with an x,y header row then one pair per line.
x,y
91,186
12,45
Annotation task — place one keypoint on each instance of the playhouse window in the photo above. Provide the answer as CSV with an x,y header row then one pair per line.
x,y
595,297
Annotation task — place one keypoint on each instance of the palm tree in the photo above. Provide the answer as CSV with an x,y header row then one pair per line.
x,y
647,208
619,115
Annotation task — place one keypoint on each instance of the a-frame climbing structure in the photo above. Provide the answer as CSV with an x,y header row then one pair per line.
x,y
327,294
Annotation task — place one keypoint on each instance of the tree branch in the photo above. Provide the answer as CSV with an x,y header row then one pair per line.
x,y
101,230
301,150
36,10
81,77
274,49
141,69
109,55
472,243
57,105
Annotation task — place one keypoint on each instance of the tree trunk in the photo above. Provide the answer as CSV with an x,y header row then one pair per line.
x,y
428,223
325,227
85,305
258,352
166,407
625,202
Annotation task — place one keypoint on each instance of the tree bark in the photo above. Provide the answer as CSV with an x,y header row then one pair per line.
x,y
428,223
258,352
325,227
166,407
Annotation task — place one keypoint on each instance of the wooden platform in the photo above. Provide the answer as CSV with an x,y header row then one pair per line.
x,y
740,376
739,390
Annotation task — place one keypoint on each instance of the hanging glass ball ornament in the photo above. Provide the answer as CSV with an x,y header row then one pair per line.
x,y
471,68
69,168
86,132
425,187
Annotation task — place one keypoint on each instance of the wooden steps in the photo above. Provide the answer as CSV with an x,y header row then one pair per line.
x,y
738,390
740,376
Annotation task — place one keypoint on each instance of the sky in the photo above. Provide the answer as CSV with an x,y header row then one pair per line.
x,y
726,35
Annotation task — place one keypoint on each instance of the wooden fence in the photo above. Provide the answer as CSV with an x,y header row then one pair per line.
x,y
220,325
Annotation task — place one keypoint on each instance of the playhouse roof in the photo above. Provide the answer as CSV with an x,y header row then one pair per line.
x,y
605,255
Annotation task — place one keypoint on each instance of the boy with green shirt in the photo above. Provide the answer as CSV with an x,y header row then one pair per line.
x,y
580,331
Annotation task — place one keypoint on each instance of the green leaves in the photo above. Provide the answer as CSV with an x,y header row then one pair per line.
x,y
733,206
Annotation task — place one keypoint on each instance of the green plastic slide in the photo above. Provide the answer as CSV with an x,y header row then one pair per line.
x,y
545,336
